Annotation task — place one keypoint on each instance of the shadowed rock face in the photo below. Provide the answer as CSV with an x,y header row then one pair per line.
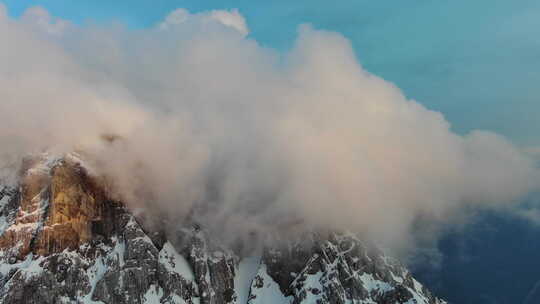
x,y
63,241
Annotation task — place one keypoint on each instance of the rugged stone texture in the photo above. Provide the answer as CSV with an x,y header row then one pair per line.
x,y
63,241
214,268
60,207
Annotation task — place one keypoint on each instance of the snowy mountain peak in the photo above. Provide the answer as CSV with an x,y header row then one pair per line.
x,y
62,240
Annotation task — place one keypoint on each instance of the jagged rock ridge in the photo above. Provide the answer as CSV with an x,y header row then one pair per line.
x,y
63,241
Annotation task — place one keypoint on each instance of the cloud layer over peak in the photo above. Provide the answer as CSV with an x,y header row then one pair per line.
x,y
207,117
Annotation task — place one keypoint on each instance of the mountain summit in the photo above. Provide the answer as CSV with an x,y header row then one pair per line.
x,y
63,240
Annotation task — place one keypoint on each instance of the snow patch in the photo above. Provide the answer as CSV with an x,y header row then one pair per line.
x,y
175,262
245,273
153,295
371,284
269,293
313,288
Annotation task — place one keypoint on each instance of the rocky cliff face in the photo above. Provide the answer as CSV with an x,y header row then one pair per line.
x,y
63,241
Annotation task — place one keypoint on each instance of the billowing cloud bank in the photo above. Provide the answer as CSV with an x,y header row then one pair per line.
x,y
193,113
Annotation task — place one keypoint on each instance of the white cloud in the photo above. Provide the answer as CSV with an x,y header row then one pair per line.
x,y
229,18
41,19
175,17
533,151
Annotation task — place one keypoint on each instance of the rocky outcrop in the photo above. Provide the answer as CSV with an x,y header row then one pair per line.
x,y
337,268
60,207
63,241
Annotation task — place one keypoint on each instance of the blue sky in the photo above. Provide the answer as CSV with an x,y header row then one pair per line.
x,y
478,61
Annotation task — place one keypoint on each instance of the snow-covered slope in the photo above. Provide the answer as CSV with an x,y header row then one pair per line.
x,y
63,241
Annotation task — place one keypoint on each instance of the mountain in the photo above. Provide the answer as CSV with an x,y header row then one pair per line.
x,y
63,240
